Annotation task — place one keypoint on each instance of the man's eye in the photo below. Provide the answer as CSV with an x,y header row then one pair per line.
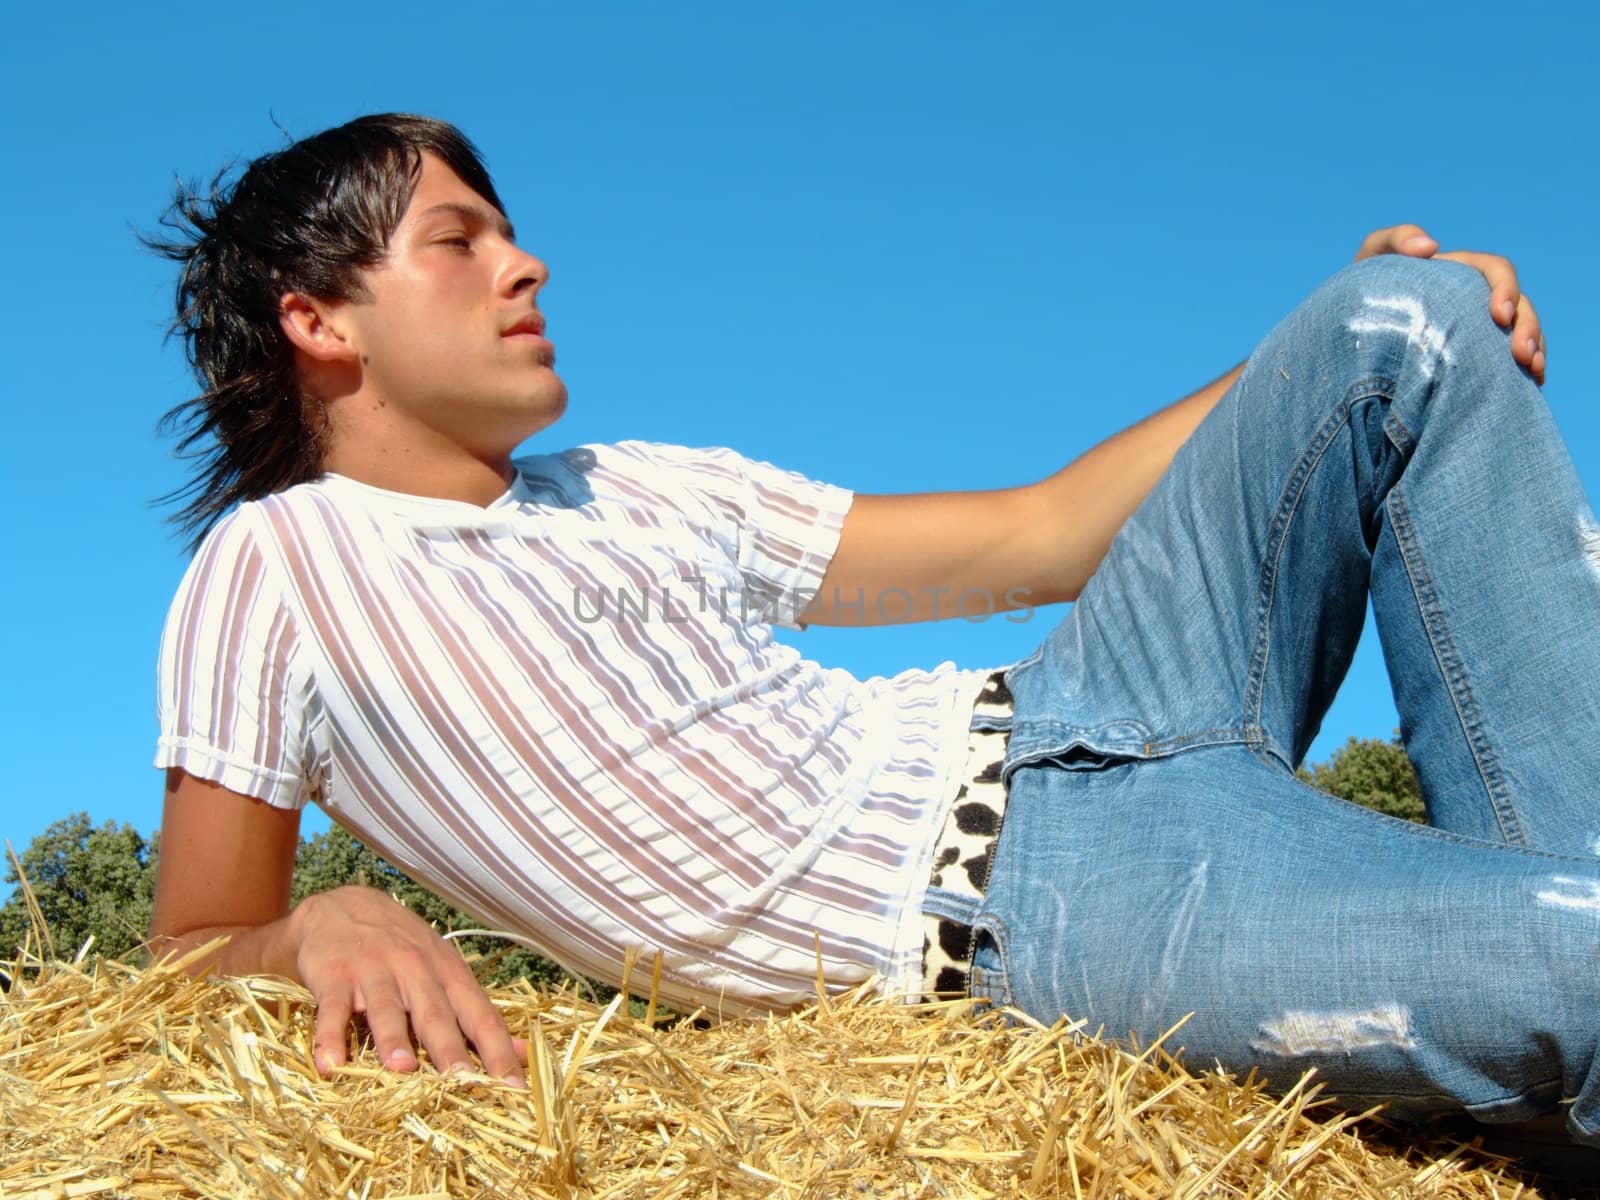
x,y
462,241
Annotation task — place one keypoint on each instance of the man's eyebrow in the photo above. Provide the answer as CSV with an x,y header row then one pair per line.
x,y
473,212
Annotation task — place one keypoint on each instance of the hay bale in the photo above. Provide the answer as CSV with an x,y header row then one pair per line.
x,y
119,1081
128,1082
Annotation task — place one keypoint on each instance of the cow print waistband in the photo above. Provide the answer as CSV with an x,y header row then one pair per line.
x,y
964,852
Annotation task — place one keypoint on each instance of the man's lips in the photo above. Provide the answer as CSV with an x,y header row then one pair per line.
x,y
531,329
532,323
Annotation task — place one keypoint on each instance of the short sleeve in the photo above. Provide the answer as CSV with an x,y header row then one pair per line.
x,y
785,527
231,692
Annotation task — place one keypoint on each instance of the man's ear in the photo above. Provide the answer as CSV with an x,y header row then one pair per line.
x,y
313,327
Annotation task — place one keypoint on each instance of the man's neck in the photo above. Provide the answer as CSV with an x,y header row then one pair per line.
x,y
416,471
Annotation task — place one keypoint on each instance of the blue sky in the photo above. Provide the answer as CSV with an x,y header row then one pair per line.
x,y
900,247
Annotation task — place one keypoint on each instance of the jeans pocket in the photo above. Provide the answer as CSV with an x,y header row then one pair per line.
x,y
989,979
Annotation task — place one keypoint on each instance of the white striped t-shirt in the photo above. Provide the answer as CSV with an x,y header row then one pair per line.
x,y
565,713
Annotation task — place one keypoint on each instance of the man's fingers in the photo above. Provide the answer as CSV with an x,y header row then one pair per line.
x,y
427,1011
434,1020
1505,293
482,1022
331,1029
1398,239
386,1018
377,958
1504,290
1511,309
1527,335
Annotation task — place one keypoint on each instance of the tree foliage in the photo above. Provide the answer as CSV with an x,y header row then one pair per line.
x,y
89,882
101,882
1373,773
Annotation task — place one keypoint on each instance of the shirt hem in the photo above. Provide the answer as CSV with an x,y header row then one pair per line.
x,y
248,779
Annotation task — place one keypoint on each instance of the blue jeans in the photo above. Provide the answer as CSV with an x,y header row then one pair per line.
x,y
1159,857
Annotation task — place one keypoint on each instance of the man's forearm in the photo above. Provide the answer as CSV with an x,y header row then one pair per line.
x,y
1091,498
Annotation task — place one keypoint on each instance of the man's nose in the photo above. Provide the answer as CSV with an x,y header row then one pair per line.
x,y
524,272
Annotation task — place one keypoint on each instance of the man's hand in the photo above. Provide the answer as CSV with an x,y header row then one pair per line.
x,y
359,951
226,863
1507,305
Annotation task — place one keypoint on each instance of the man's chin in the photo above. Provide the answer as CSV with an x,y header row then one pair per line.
x,y
543,409
555,400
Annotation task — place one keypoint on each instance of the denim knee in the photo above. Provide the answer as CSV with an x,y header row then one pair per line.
x,y
1450,296
1393,327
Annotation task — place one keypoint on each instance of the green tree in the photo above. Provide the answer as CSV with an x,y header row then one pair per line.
x,y
1373,773
89,882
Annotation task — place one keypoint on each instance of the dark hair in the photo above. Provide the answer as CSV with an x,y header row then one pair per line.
x,y
305,219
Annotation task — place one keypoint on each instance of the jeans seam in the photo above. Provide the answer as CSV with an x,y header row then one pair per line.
x,y
1414,829
1451,668
1236,732
1278,537
1399,433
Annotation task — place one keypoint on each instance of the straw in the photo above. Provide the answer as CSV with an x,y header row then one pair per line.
x,y
119,1081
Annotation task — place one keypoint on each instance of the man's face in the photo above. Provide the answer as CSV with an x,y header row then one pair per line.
x,y
449,334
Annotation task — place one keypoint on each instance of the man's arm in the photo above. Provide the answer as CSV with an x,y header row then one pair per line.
x,y
946,554
964,553
225,870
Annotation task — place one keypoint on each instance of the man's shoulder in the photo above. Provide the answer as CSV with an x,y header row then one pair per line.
x,y
622,455
231,532
249,523
643,460
634,469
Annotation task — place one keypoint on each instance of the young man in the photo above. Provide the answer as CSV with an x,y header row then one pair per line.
x,y
542,687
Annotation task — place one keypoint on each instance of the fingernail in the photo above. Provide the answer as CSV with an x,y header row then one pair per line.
x,y
323,1063
1533,345
1417,240
515,1080
1507,309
